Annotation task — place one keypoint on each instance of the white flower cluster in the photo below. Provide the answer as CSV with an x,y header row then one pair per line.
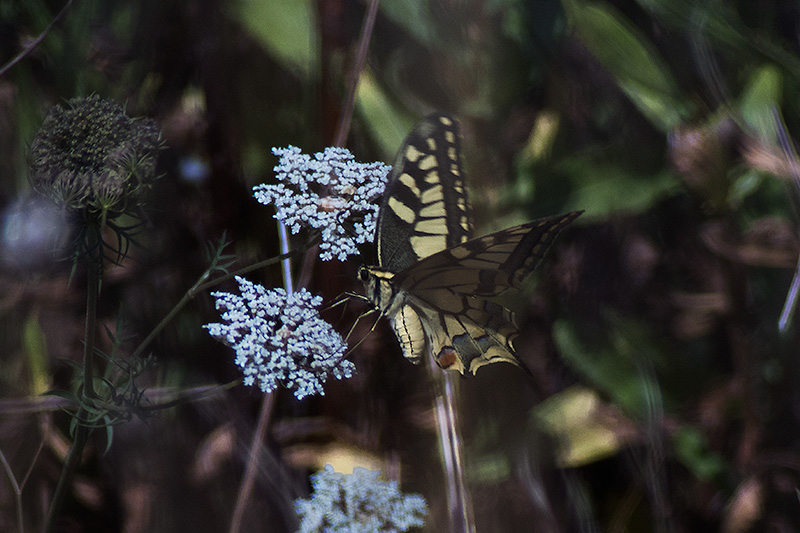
x,y
358,503
280,338
324,191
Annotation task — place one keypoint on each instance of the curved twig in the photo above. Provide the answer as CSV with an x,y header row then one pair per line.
x,y
28,49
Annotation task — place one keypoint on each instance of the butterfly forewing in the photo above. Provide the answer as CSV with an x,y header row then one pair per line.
x,y
425,207
488,265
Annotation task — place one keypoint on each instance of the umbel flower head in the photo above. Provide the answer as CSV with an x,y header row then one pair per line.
x,y
92,158
358,503
323,192
280,338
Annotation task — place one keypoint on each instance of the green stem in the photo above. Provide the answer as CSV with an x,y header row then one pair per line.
x,y
194,395
16,487
70,465
95,267
94,259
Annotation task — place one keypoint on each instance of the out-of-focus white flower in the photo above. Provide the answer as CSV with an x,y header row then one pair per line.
x,y
358,503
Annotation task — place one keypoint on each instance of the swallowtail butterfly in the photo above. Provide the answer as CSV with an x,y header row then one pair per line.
x,y
431,276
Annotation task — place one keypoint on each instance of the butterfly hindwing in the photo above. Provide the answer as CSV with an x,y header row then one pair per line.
x,y
462,332
480,333
446,287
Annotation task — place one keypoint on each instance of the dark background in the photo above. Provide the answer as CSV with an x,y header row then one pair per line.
x,y
664,396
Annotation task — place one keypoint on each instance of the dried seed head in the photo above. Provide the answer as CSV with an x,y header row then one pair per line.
x,y
92,158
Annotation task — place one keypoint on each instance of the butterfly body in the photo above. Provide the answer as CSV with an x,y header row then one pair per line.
x,y
431,276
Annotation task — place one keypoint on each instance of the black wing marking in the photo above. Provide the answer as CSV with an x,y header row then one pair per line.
x,y
488,265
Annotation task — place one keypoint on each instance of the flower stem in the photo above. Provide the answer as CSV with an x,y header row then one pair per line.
x,y
94,259
267,403
246,488
94,262
70,465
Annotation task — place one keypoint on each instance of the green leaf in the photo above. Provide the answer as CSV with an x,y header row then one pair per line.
x,y
586,428
761,96
489,468
109,427
413,15
631,59
285,27
744,185
35,349
612,360
388,124
605,188
692,450
60,393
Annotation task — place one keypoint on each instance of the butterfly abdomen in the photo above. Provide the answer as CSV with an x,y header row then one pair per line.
x,y
392,303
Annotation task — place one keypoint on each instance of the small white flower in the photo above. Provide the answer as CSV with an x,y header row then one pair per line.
x,y
358,503
280,338
325,191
